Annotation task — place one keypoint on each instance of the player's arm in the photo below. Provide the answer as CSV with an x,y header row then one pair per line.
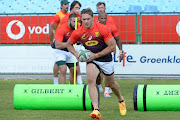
x,y
119,44
71,49
54,23
59,44
73,39
51,32
111,46
118,40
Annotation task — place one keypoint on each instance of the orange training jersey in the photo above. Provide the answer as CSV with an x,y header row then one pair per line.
x,y
65,19
93,39
112,29
63,33
58,17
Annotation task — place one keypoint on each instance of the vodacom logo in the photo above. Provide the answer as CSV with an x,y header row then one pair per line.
x,y
15,36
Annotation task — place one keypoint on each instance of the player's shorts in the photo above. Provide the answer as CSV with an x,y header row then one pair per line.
x,y
106,67
62,57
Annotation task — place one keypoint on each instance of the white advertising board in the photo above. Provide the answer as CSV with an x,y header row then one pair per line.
x,y
149,59
140,59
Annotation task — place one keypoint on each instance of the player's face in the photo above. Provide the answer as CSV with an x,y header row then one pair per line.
x,y
72,23
87,20
101,8
65,7
102,19
76,9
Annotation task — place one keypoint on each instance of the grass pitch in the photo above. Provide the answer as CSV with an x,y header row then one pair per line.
x,y
108,106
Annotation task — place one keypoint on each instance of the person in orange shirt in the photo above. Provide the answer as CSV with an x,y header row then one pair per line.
x,y
101,7
75,9
55,23
96,38
65,58
102,18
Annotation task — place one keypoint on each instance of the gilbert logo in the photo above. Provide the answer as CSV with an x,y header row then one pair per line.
x,y
15,36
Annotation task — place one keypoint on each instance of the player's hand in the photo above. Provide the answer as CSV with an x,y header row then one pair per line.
x,y
121,55
92,57
77,57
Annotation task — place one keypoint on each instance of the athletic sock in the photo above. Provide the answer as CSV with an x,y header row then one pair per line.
x,y
79,79
121,101
100,86
96,109
56,80
106,89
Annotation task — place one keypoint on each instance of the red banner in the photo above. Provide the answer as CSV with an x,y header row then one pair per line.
x,y
126,24
24,29
160,29
35,29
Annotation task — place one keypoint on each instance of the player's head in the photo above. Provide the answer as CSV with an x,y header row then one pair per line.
x,y
71,21
64,5
75,7
102,17
101,7
87,18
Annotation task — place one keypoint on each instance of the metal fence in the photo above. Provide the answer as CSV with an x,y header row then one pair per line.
x,y
33,28
160,27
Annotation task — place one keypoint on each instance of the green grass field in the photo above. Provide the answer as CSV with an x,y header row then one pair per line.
x,y
108,106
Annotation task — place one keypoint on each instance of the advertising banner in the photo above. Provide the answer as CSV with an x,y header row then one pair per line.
x,y
139,59
35,29
160,29
149,59
24,29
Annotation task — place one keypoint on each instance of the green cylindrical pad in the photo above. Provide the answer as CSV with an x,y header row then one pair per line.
x,y
157,98
54,97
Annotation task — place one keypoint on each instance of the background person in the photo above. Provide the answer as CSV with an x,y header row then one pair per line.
x,y
75,9
64,57
55,23
101,7
102,18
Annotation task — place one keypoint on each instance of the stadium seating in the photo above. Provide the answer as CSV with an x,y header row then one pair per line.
x,y
126,24
47,6
150,8
135,8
